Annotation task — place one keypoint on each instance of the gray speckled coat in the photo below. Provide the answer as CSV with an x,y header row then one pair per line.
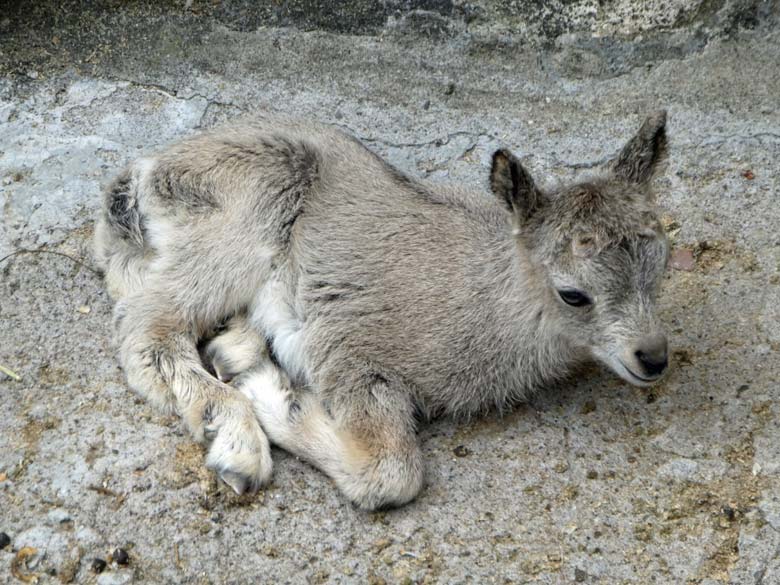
x,y
360,296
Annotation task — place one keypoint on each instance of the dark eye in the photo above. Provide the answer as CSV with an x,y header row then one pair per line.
x,y
574,298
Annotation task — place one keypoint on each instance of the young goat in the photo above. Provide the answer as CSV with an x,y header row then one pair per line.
x,y
359,298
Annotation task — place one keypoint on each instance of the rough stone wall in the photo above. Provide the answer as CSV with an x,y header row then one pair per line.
x,y
611,35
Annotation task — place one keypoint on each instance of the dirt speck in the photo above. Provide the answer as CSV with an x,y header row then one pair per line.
x,y
682,357
188,466
70,567
461,451
50,375
34,429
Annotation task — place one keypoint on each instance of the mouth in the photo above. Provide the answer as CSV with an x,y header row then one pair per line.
x,y
639,378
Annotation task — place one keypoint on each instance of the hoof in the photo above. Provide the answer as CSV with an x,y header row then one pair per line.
x,y
239,451
241,484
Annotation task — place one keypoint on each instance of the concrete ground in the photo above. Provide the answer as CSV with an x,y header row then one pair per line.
x,y
592,482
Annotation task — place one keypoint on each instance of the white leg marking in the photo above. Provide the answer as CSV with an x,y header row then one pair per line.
x,y
299,424
268,389
274,315
240,452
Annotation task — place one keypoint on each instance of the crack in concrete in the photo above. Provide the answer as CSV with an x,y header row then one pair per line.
x,y
750,477
174,94
739,138
150,87
438,142
585,165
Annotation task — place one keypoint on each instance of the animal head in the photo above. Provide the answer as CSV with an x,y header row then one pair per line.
x,y
601,250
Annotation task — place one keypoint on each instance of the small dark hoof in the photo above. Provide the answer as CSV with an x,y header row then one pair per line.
x,y
240,484
210,433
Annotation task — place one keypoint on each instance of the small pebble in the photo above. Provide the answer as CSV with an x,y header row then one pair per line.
x,y
5,540
120,556
58,516
98,565
381,544
461,451
682,259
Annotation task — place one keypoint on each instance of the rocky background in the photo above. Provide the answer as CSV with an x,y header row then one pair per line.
x,y
592,482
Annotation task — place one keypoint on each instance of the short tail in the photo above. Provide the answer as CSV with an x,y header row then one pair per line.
x,y
119,235
120,207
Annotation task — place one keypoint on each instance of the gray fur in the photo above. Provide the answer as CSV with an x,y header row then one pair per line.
x,y
365,296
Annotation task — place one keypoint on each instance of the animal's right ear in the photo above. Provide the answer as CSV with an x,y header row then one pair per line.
x,y
513,185
644,154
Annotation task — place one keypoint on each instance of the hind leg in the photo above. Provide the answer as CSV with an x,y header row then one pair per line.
x,y
365,442
118,242
161,362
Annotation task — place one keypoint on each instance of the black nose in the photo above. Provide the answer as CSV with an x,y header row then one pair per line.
x,y
653,355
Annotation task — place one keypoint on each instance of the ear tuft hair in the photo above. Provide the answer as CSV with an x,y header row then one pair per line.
x,y
642,156
514,185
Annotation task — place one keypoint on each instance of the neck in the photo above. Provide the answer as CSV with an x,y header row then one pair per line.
x,y
540,353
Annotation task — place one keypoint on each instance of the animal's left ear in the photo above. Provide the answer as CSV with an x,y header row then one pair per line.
x,y
641,158
514,185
